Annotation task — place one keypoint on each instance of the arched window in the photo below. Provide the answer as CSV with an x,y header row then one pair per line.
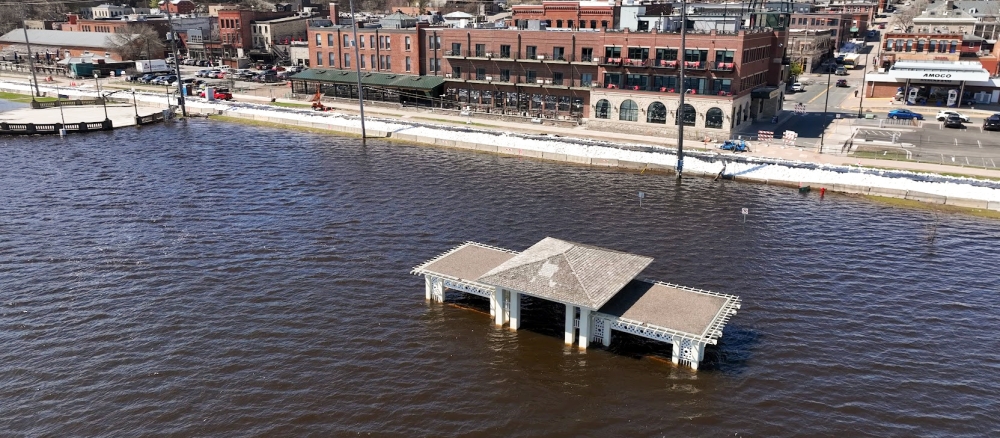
x,y
629,111
603,108
713,118
688,116
656,113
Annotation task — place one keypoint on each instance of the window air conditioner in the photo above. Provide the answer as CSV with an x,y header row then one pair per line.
x,y
539,81
548,82
540,57
447,75
489,78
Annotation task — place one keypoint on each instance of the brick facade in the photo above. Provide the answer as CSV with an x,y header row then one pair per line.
x,y
393,51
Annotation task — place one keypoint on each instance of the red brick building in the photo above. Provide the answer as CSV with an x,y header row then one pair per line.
x,y
177,6
236,31
568,14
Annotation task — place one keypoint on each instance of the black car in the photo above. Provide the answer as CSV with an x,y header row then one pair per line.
x,y
842,83
953,121
992,123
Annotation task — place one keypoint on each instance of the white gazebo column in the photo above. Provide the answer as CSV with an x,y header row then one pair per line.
x,y
438,289
428,284
698,353
570,315
584,338
500,315
675,350
515,310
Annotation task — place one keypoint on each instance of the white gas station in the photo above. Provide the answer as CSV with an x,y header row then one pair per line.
x,y
939,83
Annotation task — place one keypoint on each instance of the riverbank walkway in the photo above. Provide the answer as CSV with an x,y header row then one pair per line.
x,y
598,286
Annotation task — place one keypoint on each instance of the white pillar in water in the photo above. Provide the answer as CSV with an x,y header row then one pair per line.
x,y
698,352
515,310
675,350
428,284
584,338
500,314
438,292
570,315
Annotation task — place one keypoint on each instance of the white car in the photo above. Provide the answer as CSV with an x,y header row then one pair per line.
x,y
943,114
796,87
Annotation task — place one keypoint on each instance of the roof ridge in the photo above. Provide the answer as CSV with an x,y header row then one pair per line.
x,y
577,276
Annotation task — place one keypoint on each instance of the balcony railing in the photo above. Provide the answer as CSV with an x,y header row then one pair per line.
x,y
636,62
454,53
723,66
665,63
611,61
695,65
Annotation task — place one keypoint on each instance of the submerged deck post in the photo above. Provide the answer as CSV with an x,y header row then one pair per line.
x,y
428,284
499,305
584,339
515,310
570,315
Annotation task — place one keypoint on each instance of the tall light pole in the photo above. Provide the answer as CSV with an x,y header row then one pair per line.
x,y
683,87
864,81
31,61
177,66
357,65
97,75
826,106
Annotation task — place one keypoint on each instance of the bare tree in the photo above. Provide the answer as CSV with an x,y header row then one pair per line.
x,y
137,42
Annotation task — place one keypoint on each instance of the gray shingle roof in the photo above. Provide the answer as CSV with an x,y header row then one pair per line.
x,y
572,273
44,37
667,307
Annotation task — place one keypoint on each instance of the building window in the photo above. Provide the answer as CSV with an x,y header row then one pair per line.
x,y
587,54
434,65
593,24
689,115
604,24
636,82
480,50
505,51
388,62
347,41
531,52
629,111
319,40
586,79
724,55
374,65
347,60
559,53
603,108
388,42
505,75
638,53
407,60
529,76
920,46
480,74
666,55
456,72
361,61
612,52
381,41
569,24
695,55
656,113
406,42
557,78
559,23
371,40
456,49
713,118
333,59
319,59
931,46
954,46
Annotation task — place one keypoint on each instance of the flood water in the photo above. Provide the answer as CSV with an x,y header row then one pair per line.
x,y
207,279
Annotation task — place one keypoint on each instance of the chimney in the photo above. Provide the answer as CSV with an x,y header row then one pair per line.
x,y
72,18
335,13
949,5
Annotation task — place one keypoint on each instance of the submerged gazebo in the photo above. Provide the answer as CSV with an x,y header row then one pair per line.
x,y
598,286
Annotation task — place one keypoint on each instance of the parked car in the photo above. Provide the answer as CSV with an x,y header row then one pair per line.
x,y
943,114
953,121
797,87
202,73
842,83
992,123
157,80
904,114
144,79
220,94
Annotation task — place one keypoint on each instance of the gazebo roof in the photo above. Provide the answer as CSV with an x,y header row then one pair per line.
x,y
572,273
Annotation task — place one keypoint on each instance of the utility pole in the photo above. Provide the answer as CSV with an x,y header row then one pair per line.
x,y
31,61
826,106
357,65
683,87
177,66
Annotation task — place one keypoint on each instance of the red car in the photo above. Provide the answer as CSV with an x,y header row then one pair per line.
x,y
220,94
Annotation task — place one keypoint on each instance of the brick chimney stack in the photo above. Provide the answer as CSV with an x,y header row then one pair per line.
x,y
335,13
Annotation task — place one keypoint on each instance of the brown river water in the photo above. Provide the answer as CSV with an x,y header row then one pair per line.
x,y
207,279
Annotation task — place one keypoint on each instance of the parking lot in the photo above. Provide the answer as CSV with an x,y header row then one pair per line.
x,y
931,141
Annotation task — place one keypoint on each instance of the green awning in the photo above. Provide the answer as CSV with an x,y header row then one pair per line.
x,y
854,29
347,77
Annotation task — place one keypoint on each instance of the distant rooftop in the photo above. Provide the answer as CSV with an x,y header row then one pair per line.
x,y
44,37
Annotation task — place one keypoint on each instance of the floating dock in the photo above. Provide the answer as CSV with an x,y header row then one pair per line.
x,y
598,286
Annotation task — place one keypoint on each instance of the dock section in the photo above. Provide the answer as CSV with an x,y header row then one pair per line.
x,y
598,286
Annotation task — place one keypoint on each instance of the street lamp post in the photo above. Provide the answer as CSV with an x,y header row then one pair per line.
x,y
864,82
97,75
826,106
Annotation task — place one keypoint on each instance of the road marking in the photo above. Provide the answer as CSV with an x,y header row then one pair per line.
x,y
956,142
980,143
818,95
994,164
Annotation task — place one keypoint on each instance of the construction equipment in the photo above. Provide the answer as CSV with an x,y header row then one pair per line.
x,y
735,146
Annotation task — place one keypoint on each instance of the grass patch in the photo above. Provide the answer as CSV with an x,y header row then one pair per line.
x,y
23,98
926,206
291,105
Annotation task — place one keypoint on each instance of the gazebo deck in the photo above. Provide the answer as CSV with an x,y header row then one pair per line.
x,y
467,262
668,306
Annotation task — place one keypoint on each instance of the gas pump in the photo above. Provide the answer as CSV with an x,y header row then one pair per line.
x,y
952,97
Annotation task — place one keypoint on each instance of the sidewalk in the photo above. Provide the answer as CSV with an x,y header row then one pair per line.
x,y
775,151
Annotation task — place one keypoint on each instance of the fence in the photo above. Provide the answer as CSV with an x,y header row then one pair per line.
x,y
35,104
52,128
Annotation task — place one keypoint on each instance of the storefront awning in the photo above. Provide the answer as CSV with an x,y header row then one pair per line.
x,y
347,77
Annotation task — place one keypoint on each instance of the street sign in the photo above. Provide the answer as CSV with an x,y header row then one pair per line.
x,y
641,195
745,211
